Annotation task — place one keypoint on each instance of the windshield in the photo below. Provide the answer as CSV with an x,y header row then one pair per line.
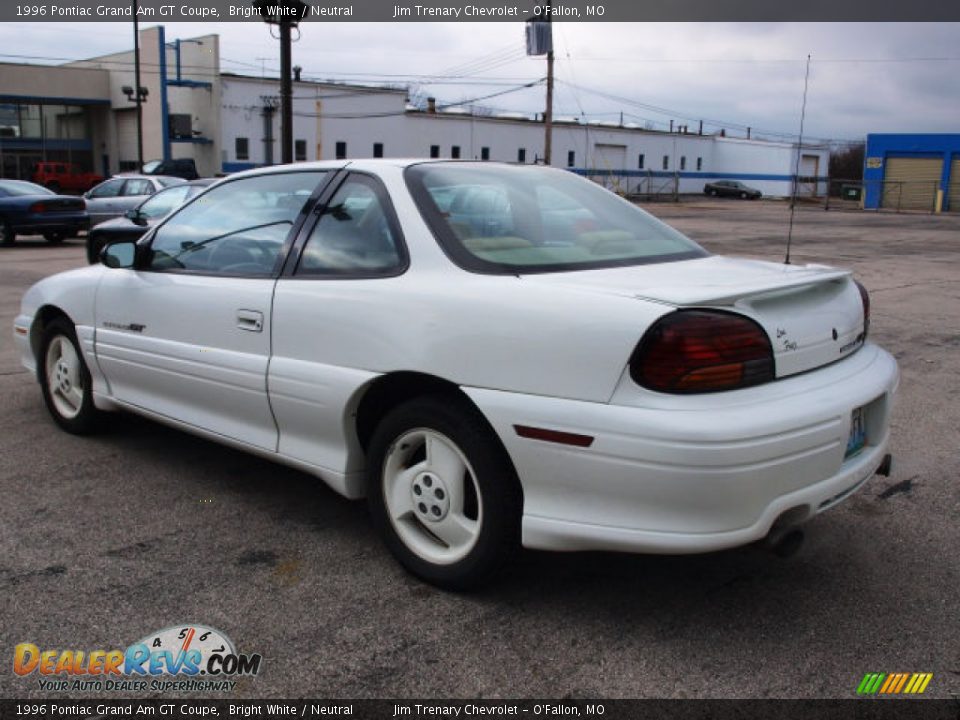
x,y
508,219
22,187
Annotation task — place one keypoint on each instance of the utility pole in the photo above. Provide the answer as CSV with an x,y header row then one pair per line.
x,y
286,14
286,94
136,82
539,30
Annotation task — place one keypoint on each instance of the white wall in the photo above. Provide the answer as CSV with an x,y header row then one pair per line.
x,y
327,114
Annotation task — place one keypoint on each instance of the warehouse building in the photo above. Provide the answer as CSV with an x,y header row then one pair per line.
x,y
912,172
228,122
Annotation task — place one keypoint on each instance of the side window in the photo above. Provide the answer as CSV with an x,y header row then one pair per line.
x,y
355,235
164,201
111,188
238,228
138,187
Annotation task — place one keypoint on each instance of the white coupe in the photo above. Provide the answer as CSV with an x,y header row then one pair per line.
x,y
493,355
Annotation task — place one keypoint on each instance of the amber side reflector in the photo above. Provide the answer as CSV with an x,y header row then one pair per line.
x,y
554,436
20,330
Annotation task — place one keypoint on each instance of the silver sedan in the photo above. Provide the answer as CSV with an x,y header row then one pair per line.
x,y
113,197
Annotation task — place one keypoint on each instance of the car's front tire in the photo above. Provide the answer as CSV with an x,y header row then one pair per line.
x,y
65,380
443,493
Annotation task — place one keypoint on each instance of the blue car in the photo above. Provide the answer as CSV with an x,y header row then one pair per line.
x,y
30,209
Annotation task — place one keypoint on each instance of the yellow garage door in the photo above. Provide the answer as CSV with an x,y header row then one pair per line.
x,y
954,189
911,183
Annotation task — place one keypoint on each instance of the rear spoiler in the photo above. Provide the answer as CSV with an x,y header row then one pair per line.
x,y
727,295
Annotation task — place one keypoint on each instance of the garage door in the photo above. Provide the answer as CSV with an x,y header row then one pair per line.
x,y
809,171
607,158
953,194
127,138
911,183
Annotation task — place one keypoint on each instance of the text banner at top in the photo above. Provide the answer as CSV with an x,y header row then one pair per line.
x,y
160,11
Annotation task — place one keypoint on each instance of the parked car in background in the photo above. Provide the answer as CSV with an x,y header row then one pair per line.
x,y
30,209
136,221
113,197
184,168
600,382
731,188
59,176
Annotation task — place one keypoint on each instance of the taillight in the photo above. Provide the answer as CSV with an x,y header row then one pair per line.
x,y
38,207
865,298
699,351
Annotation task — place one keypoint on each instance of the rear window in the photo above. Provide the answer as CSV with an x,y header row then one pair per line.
x,y
507,219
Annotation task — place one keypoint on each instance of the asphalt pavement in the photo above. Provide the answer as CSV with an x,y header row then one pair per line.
x,y
105,539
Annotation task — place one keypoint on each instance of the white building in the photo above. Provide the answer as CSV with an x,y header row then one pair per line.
x,y
229,122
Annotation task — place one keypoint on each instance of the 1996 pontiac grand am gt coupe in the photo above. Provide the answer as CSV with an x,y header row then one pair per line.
x,y
492,355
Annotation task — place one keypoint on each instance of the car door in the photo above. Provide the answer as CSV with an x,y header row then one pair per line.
x,y
102,201
134,192
328,315
186,333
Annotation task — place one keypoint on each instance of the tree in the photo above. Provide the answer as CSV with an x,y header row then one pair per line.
x,y
846,163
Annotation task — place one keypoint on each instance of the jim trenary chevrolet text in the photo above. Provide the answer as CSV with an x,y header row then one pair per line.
x,y
494,356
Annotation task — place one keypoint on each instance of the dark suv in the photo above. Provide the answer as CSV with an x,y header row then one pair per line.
x,y
184,168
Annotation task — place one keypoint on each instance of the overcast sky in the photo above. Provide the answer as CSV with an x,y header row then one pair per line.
x,y
885,77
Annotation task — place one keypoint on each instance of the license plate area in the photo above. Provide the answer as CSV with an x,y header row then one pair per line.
x,y
857,438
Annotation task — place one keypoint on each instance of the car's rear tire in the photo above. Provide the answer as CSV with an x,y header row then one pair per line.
x,y
54,238
7,235
743,196
65,380
443,493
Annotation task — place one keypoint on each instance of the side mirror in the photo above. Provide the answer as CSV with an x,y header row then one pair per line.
x,y
119,254
135,216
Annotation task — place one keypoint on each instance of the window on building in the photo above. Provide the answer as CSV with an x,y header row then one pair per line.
x,y
699,163
378,150
666,162
300,150
341,150
242,148
455,152
434,151
484,153
571,158
521,155
683,162
640,160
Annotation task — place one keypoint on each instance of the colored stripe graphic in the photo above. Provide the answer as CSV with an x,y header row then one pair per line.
x,y
894,683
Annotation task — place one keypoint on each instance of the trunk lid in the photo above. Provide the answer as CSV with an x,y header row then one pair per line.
x,y
812,314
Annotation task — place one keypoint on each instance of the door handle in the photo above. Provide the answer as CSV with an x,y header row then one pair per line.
x,y
250,320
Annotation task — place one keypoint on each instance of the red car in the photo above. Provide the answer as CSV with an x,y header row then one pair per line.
x,y
58,176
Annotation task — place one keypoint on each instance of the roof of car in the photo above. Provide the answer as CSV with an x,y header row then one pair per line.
x,y
371,164
138,176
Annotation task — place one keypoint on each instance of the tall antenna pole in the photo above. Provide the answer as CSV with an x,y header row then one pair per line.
x,y
796,168
548,114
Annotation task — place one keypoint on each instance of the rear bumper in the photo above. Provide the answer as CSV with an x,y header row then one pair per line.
x,y
695,473
38,224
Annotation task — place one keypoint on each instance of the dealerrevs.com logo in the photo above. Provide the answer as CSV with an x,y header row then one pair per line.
x,y
179,658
